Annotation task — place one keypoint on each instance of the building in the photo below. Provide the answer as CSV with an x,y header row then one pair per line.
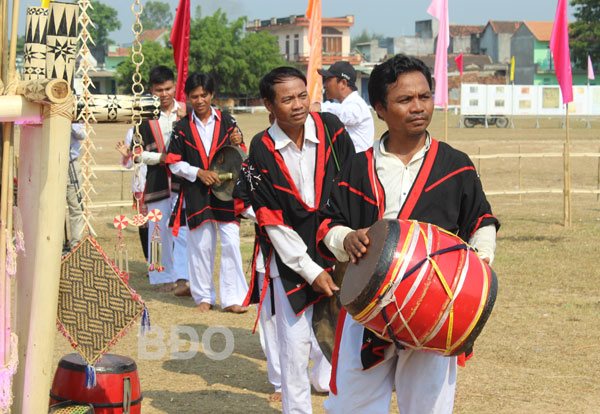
x,y
495,40
533,59
465,38
476,69
422,43
292,36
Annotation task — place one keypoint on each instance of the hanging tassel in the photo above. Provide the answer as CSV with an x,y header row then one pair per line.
x,y
90,376
145,321
155,216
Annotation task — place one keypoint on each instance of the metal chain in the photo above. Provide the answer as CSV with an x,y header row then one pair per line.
x,y
137,58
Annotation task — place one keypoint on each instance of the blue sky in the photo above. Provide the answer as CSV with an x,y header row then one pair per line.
x,y
387,17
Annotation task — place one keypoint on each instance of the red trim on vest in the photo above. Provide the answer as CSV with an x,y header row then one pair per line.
x,y
157,135
177,222
479,223
417,189
266,217
336,350
297,289
239,207
355,191
320,164
452,174
200,146
172,158
374,180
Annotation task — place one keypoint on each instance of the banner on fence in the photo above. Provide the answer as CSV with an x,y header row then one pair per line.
x,y
533,100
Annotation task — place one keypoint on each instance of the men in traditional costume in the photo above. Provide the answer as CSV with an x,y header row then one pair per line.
x,y
195,140
288,176
161,189
407,175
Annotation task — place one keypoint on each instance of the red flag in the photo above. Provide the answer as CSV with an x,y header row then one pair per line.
x,y
180,39
313,79
459,63
439,10
559,44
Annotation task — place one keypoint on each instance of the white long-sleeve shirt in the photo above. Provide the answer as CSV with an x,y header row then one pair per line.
x,y
206,132
357,119
301,164
397,180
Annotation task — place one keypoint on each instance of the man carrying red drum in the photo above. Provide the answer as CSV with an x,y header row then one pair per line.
x,y
407,175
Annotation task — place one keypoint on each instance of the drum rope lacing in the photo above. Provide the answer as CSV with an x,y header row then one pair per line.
x,y
388,295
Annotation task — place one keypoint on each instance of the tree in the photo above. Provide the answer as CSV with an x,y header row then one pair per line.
x,y
154,54
105,20
585,32
364,36
156,15
236,60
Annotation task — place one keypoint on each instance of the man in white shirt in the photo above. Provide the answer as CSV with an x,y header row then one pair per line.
x,y
339,82
407,175
288,177
196,139
161,189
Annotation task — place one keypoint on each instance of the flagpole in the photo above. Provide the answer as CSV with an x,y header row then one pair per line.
x,y
567,178
446,122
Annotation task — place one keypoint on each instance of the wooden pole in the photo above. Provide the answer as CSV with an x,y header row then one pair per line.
x,y
567,178
43,204
520,175
598,196
446,122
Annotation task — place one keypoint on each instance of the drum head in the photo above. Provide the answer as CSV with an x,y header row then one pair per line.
x,y
227,160
363,280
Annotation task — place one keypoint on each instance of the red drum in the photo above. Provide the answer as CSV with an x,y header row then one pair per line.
x,y
117,390
420,287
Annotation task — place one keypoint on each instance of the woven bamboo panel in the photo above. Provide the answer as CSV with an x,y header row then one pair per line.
x,y
96,306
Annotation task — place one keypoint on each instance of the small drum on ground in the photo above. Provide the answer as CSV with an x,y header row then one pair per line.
x,y
420,287
117,390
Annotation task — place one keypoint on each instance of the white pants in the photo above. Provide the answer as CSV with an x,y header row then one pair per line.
x,y
201,250
425,383
180,261
320,373
267,332
166,237
296,345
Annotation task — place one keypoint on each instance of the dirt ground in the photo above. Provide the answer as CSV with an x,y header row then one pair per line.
x,y
539,352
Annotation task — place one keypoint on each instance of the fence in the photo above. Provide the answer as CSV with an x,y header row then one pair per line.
x,y
126,202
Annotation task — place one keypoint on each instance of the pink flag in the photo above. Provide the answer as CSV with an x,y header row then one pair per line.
x,y
459,63
590,69
180,39
559,44
439,10
313,79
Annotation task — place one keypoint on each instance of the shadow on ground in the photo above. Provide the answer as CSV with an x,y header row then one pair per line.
x,y
209,401
227,361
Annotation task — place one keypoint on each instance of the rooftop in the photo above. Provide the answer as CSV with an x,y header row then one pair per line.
x,y
541,30
504,27
465,30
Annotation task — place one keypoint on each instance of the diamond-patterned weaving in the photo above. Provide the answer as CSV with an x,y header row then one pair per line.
x,y
96,306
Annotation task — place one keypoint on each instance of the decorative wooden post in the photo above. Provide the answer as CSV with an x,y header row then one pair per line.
x,y
43,158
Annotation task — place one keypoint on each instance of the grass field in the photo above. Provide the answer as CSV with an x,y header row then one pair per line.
x,y
539,352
